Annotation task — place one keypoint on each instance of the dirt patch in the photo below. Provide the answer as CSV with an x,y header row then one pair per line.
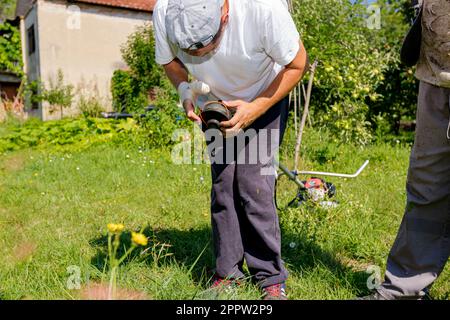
x,y
23,251
13,163
355,265
98,291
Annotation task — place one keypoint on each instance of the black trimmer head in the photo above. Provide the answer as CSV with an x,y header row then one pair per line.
x,y
215,112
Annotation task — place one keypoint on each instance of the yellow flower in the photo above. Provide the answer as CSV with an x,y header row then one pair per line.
x,y
115,228
111,227
139,239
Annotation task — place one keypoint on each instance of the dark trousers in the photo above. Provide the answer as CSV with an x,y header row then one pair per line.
x,y
245,223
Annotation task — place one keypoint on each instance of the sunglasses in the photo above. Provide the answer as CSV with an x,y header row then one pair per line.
x,y
201,44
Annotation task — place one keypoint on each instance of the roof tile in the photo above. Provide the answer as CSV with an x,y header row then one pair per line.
x,y
142,5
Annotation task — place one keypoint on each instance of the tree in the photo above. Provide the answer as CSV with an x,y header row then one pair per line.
x,y
356,80
351,66
58,95
398,90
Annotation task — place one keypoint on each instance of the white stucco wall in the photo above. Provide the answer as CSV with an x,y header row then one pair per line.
x,y
85,44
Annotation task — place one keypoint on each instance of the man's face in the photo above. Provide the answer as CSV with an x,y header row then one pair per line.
x,y
216,40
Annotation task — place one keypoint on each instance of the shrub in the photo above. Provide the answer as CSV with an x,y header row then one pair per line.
x,y
157,128
353,62
139,55
58,94
83,131
130,89
89,103
90,106
33,92
127,93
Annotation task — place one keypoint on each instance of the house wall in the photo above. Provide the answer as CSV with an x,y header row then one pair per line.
x,y
31,61
84,43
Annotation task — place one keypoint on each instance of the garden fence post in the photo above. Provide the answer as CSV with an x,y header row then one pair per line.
x,y
305,112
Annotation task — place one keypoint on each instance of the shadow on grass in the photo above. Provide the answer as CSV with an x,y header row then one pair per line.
x,y
190,248
307,255
193,249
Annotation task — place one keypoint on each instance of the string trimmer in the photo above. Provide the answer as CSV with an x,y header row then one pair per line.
x,y
313,189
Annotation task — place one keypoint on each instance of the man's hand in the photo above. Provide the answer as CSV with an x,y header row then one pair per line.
x,y
246,114
189,108
188,93
286,80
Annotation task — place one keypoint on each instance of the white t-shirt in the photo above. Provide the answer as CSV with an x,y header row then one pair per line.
x,y
259,40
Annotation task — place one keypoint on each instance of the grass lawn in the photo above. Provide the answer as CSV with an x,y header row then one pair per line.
x,y
55,204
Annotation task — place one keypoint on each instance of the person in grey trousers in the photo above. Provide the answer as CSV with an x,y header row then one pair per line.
x,y
249,55
422,247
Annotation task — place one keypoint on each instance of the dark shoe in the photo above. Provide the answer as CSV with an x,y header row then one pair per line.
x,y
373,296
275,292
377,296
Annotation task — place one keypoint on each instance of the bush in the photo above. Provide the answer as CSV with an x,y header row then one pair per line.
x,y
353,62
90,106
58,94
83,131
130,89
32,93
157,128
89,102
127,93
139,55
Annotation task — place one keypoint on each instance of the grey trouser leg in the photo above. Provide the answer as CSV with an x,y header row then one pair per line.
x,y
422,247
244,218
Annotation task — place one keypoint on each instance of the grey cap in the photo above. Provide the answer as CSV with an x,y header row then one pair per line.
x,y
192,24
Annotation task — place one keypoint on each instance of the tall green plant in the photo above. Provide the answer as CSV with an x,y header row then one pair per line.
x,y
139,54
10,49
127,92
130,88
59,95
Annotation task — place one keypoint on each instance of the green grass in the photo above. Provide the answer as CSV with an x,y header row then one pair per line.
x,y
55,204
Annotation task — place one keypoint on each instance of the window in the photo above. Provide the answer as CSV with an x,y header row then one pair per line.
x,y
31,40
